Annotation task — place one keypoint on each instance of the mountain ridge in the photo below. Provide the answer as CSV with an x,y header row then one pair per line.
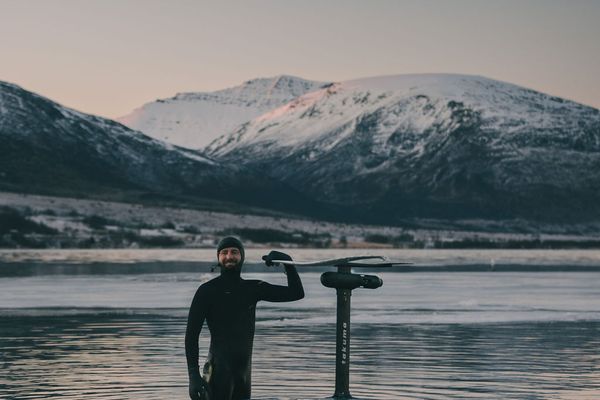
x,y
387,150
433,145
50,149
194,119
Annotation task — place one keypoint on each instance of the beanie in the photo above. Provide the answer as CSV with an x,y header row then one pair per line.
x,y
230,241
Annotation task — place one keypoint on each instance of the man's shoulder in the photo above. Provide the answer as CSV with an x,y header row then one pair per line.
x,y
209,284
253,282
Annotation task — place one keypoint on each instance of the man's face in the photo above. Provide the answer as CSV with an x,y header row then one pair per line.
x,y
229,257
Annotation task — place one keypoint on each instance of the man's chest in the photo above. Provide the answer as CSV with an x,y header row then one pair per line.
x,y
233,300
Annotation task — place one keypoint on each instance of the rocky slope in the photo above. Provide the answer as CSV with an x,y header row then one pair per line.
x,y
393,148
47,148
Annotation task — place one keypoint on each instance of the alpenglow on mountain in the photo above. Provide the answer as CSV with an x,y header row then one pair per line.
x,y
195,119
392,150
388,149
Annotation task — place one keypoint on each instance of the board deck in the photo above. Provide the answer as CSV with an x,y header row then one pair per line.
x,y
345,261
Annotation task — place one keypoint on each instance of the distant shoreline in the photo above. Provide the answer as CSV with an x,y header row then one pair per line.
x,y
46,222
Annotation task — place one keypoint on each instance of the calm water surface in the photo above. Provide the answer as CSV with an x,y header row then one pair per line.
x,y
424,335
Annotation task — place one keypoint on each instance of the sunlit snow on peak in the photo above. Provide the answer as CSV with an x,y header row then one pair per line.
x,y
194,119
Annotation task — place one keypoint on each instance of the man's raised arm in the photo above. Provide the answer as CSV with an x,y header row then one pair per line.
x,y
294,289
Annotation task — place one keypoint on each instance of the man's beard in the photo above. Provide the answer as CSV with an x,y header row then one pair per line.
x,y
232,265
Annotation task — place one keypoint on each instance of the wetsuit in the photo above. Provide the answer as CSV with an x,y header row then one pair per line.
x,y
228,304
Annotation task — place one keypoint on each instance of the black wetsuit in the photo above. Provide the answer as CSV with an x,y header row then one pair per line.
x,y
228,304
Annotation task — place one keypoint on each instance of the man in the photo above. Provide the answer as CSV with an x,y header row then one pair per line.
x,y
228,304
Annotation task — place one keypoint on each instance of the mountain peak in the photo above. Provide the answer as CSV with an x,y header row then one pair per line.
x,y
415,100
194,119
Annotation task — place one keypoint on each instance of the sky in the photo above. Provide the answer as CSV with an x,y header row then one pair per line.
x,y
108,57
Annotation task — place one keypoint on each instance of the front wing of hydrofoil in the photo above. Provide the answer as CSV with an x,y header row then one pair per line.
x,y
345,261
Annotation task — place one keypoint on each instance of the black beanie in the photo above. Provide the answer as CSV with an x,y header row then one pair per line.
x,y
230,241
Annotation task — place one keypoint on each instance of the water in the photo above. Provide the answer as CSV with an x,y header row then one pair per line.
x,y
424,335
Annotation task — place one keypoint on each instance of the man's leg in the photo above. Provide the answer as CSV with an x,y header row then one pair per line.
x,y
243,384
221,384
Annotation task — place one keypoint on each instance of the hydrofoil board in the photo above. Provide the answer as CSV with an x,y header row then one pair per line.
x,y
344,261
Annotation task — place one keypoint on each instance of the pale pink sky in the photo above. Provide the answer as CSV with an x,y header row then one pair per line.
x,y
107,57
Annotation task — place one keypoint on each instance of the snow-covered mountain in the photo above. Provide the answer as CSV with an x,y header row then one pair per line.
x,y
193,120
384,149
48,148
435,145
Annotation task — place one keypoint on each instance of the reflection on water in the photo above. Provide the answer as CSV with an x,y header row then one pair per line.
x,y
421,336
90,356
142,357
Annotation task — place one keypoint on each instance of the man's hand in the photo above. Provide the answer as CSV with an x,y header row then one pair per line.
x,y
199,389
275,255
